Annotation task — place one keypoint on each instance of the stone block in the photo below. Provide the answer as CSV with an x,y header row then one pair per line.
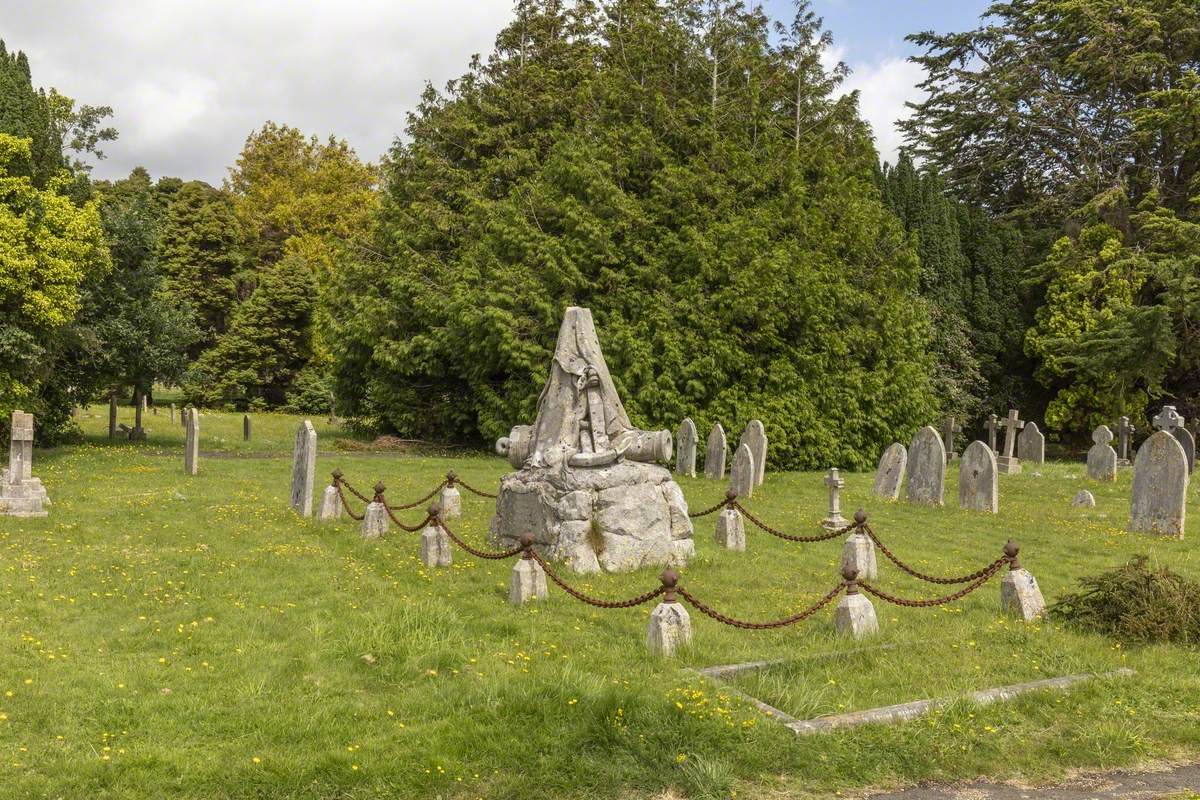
x,y
670,628
1020,596
375,521
855,616
858,554
1083,499
731,530
435,547
527,582
331,505
451,503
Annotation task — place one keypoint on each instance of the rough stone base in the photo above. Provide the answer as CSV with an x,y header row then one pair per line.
x,y
858,553
527,582
331,505
834,521
26,498
375,521
855,616
670,628
451,503
1020,595
616,518
435,547
731,530
1006,465
1084,499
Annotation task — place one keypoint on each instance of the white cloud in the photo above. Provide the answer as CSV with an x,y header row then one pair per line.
x,y
189,79
884,87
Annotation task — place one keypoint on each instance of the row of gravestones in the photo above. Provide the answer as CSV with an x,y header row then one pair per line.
x,y
749,460
1029,445
1103,461
920,470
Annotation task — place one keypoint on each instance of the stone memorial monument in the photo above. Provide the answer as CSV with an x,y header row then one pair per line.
x,y
686,442
304,468
21,494
889,475
741,477
926,468
1125,433
1170,421
992,425
714,454
836,483
1008,463
755,437
588,485
978,487
191,442
1031,444
950,428
1102,459
1160,481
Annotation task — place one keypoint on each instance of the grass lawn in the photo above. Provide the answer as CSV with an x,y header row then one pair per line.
x,y
180,637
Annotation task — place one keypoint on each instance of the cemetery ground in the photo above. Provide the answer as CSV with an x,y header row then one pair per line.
x,y
194,638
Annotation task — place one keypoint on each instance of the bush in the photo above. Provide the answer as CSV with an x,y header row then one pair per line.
x,y
1135,603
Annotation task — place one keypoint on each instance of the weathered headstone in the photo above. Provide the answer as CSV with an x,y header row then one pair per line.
x,y
112,416
978,488
1008,463
21,494
926,468
686,442
1170,421
741,477
755,437
835,482
1160,480
1102,459
950,428
191,443
1125,433
1031,444
304,468
992,425
889,475
1188,442
246,427
714,454
731,530
1084,499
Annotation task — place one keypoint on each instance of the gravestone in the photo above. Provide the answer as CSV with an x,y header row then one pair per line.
x,y
978,488
21,494
755,437
112,416
1188,442
1125,433
992,425
1084,499
304,468
836,483
589,486
714,454
1170,421
191,443
889,475
950,428
741,477
1160,481
245,427
686,441
926,468
1008,463
1031,444
1102,459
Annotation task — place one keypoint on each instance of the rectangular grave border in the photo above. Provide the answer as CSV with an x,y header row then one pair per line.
x,y
900,712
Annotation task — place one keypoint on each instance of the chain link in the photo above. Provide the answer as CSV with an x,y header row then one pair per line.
x,y
593,601
938,601
791,537
353,491
473,490
931,578
401,525
494,555
416,503
762,626
708,511
345,505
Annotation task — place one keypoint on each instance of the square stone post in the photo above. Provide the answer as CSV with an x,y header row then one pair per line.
x,y
435,543
731,529
528,580
670,627
858,552
854,615
1019,593
450,499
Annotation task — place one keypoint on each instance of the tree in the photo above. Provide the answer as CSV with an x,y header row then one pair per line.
x,y
595,160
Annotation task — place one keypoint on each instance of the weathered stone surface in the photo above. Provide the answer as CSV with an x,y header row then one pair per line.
x,y
1188,443
855,616
1031,444
1160,481
755,437
835,482
992,425
1020,595
950,428
375,521
858,554
172,412
1084,499
450,501
435,547
670,629
246,431
527,582
741,477
1101,458
112,416
624,511
731,530
714,454
21,494
686,442
304,468
926,468
1125,433
889,475
331,505
978,487
1008,463
191,444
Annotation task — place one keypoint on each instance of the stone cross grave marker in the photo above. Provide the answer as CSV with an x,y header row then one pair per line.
x,y
21,494
1031,444
1169,420
1160,481
191,445
304,468
992,425
1008,463
686,441
978,489
741,477
755,437
889,475
949,429
835,482
714,454
926,468
1102,459
20,450
1125,433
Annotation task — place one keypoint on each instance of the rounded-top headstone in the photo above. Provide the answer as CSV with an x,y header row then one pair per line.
x,y
1160,480
978,488
926,468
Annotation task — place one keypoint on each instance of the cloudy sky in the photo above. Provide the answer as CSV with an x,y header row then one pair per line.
x,y
188,80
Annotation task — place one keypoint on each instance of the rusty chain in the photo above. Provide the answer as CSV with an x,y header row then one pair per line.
x,y
762,626
404,527
937,601
345,505
353,491
416,503
496,555
453,480
708,511
593,601
788,536
931,578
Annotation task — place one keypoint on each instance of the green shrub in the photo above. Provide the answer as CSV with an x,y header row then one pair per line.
x,y
1135,602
